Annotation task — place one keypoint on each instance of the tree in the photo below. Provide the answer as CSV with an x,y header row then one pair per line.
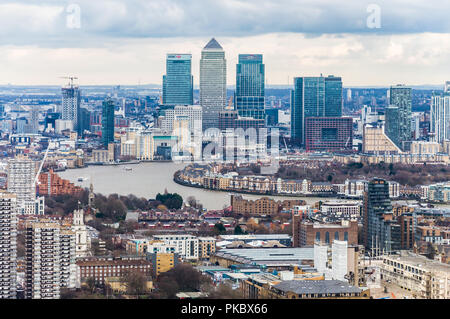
x,y
219,228
135,283
238,230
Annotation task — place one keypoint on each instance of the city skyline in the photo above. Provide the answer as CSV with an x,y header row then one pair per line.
x,y
296,38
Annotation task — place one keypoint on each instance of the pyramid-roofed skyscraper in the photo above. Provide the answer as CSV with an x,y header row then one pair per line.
x,y
213,86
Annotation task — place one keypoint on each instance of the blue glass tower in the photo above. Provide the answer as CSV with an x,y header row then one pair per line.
x,y
178,82
314,97
249,98
107,122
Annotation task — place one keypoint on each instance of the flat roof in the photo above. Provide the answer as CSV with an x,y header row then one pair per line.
x,y
316,287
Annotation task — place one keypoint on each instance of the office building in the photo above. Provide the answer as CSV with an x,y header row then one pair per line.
x,y
193,114
8,247
50,259
328,134
70,106
107,122
440,117
398,115
213,83
178,82
250,86
314,97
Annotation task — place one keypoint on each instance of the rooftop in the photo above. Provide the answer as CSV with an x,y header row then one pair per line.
x,y
316,287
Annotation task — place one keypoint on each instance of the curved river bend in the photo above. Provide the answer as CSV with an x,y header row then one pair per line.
x,y
148,179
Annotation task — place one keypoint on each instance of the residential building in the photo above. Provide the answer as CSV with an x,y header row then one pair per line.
x,y
398,116
261,206
8,247
375,141
162,262
213,83
425,278
187,246
307,233
70,105
50,259
440,117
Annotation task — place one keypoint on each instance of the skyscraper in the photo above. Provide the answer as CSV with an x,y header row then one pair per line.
x,y
333,96
213,83
178,83
314,97
440,117
381,233
107,122
71,99
8,247
250,88
400,96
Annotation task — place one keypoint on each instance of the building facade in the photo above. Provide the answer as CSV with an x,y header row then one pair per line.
x,y
8,247
250,86
213,83
107,122
178,82
328,134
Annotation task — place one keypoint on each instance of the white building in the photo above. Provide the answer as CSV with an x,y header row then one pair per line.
x,y
440,117
21,177
343,209
193,113
213,83
186,245
339,260
8,246
82,238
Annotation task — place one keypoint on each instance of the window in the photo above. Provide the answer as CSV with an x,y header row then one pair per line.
x,y
327,237
318,236
336,235
346,236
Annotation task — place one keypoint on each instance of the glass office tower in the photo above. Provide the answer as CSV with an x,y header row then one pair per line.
x,y
178,82
314,97
213,83
107,122
249,97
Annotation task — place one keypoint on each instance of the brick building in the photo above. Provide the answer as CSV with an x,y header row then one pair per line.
x,y
52,184
262,206
306,233
100,268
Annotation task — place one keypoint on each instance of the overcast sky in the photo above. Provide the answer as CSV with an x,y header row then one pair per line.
x,y
125,41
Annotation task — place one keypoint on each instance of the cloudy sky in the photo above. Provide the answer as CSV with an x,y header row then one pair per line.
x,y
125,41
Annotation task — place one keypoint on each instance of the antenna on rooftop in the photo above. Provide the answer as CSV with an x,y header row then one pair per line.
x,y
71,78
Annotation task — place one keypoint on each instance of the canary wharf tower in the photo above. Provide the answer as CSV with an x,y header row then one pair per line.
x,y
213,85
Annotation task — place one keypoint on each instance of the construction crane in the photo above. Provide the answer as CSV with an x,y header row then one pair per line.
x,y
71,78
36,180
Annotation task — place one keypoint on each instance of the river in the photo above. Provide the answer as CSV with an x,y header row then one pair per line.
x,y
148,179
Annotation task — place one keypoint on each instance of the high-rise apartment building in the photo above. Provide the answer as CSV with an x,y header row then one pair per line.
x,y
8,246
70,106
213,83
49,258
381,232
314,97
178,82
250,86
107,122
398,117
440,117
21,176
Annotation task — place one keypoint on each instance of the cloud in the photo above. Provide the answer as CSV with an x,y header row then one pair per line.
x,y
44,22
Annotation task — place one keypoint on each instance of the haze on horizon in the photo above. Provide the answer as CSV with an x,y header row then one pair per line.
x,y
125,42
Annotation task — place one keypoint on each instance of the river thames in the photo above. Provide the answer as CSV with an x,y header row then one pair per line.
x,y
148,179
